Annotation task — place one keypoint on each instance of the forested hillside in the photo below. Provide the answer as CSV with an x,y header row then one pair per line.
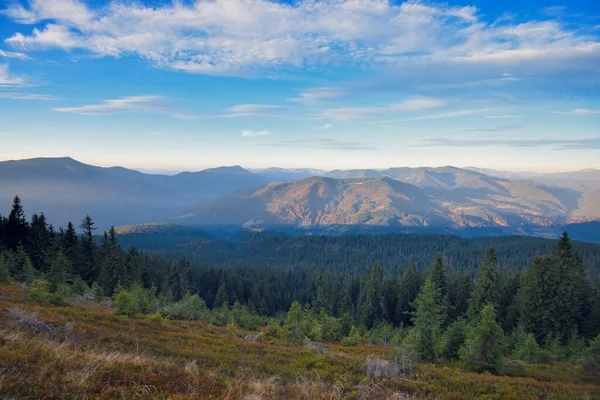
x,y
480,321
353,253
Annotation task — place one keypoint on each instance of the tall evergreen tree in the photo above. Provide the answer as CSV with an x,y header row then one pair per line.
x,y
484,349
60,268
427,320
87,268
178,280
488,288
437,274
15,229
372,306
22,268
410,286
39,241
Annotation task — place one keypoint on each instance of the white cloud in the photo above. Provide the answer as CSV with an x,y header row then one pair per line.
x,y
451,114
253,108
52,36
502,116
12,54
326,126
354,113
315,95
255,133
26,96
579,112
148,104
240,36
7,79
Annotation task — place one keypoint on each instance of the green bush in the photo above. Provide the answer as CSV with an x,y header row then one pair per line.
x,y
591,359
125,304
453,339
39,291
189,308
529,351
60,295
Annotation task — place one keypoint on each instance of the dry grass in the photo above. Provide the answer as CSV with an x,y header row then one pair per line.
x,y
94,354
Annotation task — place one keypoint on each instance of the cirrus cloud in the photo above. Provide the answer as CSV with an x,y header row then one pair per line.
x,y
255,133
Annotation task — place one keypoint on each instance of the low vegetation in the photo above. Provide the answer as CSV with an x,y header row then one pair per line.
x,y
86,351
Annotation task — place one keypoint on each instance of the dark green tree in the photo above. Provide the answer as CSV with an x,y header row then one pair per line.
x,y
410,286
483,350
87,268
427,320
15,229
488,289
60,267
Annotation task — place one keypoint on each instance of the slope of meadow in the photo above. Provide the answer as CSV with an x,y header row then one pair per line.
x,y
83,352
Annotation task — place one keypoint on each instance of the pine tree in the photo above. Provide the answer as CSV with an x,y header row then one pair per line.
x,y
483,351
22,268
437,273
320,301
87,268
222,298
293,321
529,350
38,241
410,286
371,310
178,279
59,270
15,230
427,320
487,286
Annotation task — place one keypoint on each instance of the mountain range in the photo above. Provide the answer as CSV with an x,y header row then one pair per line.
x,y
444,199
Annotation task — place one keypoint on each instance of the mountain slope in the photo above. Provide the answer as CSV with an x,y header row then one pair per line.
x,y
67,190
479,202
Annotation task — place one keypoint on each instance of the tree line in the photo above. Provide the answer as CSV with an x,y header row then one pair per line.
x,y
547,312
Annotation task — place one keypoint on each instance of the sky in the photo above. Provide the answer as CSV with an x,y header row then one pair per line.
x,y
165,85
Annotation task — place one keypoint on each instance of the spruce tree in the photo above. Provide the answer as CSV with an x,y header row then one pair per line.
x,y
15,229
437,273
59,270
87,268
371,310
178,280
410,286
293,321
22,268
427,320
487,286
483,351
222,298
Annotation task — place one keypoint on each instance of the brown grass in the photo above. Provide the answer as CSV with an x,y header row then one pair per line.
x,y
94,354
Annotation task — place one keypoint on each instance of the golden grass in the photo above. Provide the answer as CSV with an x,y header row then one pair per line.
x,y
94,354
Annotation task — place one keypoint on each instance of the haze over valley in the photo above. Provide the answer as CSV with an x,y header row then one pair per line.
x,y
464,201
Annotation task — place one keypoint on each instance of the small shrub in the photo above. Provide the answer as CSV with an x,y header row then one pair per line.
x,y
39,291
378,367
350,341
126,305
529,350
591,359
60,295
157,319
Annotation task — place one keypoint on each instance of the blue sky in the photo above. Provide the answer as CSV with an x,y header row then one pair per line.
x,y
190,84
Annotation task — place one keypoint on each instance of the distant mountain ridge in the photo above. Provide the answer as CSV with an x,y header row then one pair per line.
x,y
66,189
441,199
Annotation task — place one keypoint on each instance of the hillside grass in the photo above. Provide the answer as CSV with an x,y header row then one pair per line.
x,y
91,353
